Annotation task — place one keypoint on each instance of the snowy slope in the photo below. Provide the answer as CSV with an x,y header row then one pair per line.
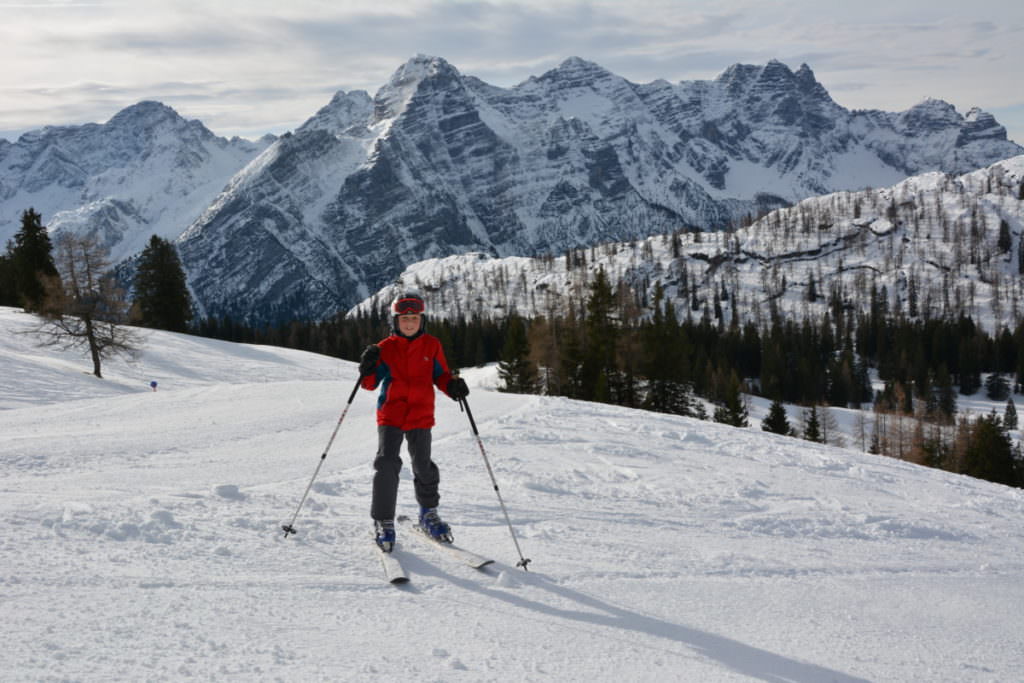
x,y
931,241
142,539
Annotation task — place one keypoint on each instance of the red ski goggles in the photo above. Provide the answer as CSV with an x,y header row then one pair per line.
x,y
407,306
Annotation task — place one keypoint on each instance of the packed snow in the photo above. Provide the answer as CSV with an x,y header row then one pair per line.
x,y
143,538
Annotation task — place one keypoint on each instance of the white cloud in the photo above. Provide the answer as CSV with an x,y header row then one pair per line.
x,y
249,67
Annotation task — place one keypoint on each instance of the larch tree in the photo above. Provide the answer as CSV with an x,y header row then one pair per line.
x,y
84,308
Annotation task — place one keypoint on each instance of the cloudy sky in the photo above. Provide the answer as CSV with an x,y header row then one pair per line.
x,y
249,67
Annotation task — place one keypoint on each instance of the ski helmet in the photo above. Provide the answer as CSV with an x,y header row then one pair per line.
x,y
404,304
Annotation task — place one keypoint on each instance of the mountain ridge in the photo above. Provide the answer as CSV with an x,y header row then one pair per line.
x,y
572,157
938,245
146,171
438,163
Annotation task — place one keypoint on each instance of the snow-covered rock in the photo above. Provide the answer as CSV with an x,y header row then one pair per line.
x,y
439,163
443,163
145,172
930,245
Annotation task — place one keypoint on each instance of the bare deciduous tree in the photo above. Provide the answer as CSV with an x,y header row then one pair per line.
x,y
84,308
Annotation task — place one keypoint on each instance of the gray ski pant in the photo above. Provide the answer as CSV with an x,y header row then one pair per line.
x,y
388,464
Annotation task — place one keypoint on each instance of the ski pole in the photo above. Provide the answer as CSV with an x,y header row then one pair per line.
x,y
464,404
290,528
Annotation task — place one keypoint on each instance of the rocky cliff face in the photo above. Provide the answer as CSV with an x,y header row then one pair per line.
x,y
146,171
439,163
933,246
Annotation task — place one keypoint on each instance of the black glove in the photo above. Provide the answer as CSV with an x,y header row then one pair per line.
x,y
368,361
457,388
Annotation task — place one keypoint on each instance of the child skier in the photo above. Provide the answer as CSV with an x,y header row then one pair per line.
x,y
407,365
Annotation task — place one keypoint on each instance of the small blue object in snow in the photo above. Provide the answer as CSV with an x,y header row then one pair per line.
x,y
153,384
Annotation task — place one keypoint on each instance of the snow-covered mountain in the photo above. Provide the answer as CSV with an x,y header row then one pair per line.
x,y
142,538
439,163
146,171
935,245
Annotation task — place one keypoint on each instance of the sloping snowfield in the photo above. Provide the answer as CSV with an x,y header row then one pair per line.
x,y
141,538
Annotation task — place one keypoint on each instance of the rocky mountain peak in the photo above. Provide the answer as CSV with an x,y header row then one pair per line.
x,y
437,163
147,112
771,81
575,68
147,119
775,95
576,74
392,99
345,111
738,76
146,171
980,125
809,85
774,79
930,115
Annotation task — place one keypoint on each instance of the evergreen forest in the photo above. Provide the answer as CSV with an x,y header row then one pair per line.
x,y
662,362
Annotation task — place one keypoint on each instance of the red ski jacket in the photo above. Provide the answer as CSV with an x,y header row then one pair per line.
x,y
407,372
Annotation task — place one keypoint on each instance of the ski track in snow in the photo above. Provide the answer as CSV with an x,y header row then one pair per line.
x,y
142,538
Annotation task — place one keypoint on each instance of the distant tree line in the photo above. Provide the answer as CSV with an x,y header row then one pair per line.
x,y
468,342
613,346
605,350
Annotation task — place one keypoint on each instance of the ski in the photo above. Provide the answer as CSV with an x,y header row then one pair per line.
x,y
464,556
393,570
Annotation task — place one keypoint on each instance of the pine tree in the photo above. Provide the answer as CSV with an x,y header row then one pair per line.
x,y
31,258
970,374
732,411
664,349
989,453
812,426
1005,352
162,299
1010,414
570,363
776,421
996,387
516,370
8,281
812,290
598,356
945,394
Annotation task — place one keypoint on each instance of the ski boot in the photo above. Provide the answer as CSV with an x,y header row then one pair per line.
x,y
384,534
431,524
